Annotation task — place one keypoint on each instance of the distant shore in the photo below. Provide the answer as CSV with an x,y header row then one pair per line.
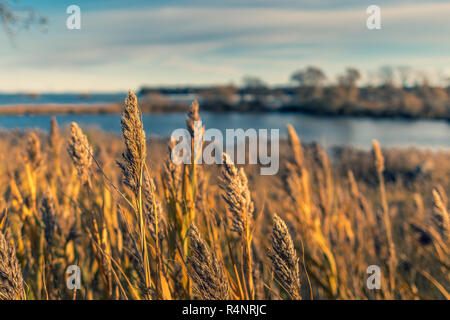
x,y
112,108
117,108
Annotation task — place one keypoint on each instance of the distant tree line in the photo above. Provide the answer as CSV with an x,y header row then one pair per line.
x,y
389,92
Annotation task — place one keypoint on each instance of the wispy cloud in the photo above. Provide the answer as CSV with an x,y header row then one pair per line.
x,y
201,43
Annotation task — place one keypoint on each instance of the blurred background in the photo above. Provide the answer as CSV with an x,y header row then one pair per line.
x,y
250,64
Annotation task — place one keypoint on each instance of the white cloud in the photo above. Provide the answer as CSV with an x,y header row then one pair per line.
x,y
207,44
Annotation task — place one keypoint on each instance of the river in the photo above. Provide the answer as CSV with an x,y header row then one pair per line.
x,y
329,131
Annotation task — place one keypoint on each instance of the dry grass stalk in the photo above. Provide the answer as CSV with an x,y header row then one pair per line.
x,y
234,183
174,185
378,155
192,117
379,165
324,177
135,149
34,157
284,258
132,250
55,136
133,169
55,144
33,161
237,195
441,210
80,152
48,212
296,146
196,130
205,270
153,210
353,184
192,173
297,178
172,172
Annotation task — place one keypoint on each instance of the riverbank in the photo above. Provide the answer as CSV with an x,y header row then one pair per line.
x,y
330,131
405,166
148,108
108,108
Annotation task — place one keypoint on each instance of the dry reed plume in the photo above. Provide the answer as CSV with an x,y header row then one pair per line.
x,y
207,272
134,138
284,258
11,281
80,152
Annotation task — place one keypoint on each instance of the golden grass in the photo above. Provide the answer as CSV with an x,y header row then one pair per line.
x,y
108,108
152,229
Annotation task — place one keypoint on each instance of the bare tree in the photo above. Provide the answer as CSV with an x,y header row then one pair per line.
x,y
257,88
405,73
252,82
386,74
14,18
350,78
309,77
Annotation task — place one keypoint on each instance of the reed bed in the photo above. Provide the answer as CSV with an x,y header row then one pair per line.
x,y
141,227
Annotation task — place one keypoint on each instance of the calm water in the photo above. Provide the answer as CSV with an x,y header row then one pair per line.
x,y
326,130
77,98
61,98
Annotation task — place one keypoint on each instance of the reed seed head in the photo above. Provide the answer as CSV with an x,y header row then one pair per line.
x,y
296,145
284,258
236,194
379,159
11,280
192,117
54,137
80,152
172,171
196,131
34,157
135,149
441,209
153,210
48,212
205,270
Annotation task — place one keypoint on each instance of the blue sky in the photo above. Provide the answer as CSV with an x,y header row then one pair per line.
x,y
126,44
